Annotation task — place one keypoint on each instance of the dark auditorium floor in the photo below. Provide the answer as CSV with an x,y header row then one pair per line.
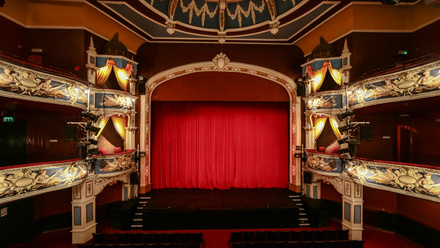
x,y
373,237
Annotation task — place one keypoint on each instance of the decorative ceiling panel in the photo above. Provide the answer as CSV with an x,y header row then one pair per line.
x,y
261,21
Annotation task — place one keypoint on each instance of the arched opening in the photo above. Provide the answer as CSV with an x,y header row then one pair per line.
x,y
207,82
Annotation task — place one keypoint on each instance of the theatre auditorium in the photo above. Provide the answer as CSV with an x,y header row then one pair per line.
x,y
219,123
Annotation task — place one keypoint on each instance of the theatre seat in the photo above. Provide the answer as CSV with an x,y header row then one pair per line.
x,y
117,150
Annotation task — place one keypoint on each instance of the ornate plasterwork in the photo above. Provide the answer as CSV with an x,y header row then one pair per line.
x,y
23,181
213,66
405,178
318,102
103,181
336,181
319,163
419,82
120,162
24,83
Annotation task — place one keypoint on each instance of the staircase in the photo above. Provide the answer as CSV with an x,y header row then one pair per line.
x,y
137,222
303,218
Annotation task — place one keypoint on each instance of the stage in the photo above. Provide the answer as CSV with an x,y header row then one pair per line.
x,y
218,209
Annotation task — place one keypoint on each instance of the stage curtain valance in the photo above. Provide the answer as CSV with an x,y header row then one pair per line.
x,y
212,145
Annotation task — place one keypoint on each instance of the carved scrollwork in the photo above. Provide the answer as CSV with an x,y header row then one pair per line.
x,y
318,163
406,178
23,180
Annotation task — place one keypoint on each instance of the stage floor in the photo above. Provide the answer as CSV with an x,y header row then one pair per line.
x,y
191,199
219,209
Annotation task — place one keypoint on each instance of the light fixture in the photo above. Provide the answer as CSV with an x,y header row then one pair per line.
x,y
92,128
345,115
90,116
93,151
346,128
93,142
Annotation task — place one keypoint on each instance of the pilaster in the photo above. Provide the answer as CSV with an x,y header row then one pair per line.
x,y
83,212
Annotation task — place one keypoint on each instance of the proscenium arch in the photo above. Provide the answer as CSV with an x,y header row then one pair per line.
x,y
213,66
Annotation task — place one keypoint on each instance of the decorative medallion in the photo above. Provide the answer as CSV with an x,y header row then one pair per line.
x,y
221,61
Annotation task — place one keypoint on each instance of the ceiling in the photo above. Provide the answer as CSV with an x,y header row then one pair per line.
x,y
240,21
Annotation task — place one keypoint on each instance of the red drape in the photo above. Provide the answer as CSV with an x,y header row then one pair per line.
x,y
220,145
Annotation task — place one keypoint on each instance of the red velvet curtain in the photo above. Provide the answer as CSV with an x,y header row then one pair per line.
x,y
220,145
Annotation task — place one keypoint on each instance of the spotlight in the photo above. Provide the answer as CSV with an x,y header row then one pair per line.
x,y
82,144
92,128
93,142
345,115
90,116
342,151
93,151
354,142
342,141
346,128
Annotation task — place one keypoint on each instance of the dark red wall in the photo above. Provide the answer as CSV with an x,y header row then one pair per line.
x,y
426,40
52,203
423,211
13,40
220,86
156,57
421,117
41,129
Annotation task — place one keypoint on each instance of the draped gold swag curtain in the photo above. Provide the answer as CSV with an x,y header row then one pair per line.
x,y
120,124
122,75
319,123
319,75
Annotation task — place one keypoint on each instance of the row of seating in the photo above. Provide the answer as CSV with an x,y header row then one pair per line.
x,y
168,245
273,236
147,238
302,244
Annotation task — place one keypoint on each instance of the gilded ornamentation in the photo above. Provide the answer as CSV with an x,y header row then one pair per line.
x,y
318,163
411,179
251,9
203,11
22,180
407,83
30,84
101,182
221,61
120,163
118,101
320,102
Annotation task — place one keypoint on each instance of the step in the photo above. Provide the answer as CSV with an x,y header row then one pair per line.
x,y
140,207
294,196
299,203
301,209
143,202
297,200
138,213
302,219
302,214
145,197
138,219
135,226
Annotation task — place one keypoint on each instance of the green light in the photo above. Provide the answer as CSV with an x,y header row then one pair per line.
x,y
8,119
